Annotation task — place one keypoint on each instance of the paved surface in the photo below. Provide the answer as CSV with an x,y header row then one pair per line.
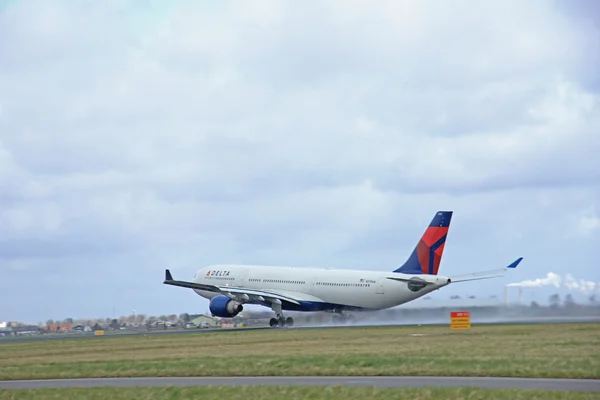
x,y
588,385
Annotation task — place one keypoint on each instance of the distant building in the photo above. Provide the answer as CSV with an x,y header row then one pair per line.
x,y
204,320
82,328
59,327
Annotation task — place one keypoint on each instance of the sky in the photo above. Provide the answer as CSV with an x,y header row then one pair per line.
x,y
136,137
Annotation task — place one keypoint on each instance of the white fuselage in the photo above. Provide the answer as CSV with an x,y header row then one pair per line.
x,y
320,288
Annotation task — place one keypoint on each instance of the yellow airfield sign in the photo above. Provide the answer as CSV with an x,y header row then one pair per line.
x,y
460,320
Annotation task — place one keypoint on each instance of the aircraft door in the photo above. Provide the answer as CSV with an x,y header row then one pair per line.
x,y
243,277
379,286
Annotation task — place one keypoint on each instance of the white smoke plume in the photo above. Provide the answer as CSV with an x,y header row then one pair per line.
x,y
552,279
582,285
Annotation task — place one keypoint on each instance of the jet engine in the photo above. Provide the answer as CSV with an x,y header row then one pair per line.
x,y
224,307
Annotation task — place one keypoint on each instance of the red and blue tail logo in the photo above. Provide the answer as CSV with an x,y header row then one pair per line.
x,y
427,255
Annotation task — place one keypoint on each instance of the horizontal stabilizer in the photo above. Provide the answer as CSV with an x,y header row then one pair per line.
x,y
395,278
494,273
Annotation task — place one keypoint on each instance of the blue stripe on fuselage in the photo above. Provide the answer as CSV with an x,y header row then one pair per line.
x,y
432,250
311,306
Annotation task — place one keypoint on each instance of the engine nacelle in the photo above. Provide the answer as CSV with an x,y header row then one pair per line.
x,y
224,307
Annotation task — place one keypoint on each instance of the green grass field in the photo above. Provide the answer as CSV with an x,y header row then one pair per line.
x,y
538,350
291,393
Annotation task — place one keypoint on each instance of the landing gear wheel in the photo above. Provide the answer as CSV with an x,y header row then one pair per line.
x,y
281,322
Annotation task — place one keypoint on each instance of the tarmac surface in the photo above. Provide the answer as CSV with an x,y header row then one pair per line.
x,y
587,385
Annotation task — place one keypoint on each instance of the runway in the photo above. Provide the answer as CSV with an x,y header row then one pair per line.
x,y
588,385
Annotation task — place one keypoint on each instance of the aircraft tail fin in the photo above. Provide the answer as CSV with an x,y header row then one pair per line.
x,y
427,255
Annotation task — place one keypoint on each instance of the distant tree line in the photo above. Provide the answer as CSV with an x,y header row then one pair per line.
x,y
128,320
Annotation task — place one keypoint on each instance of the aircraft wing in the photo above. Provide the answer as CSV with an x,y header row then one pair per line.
x,y
246,294
493,273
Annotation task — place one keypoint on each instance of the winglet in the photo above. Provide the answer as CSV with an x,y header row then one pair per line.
x,y
168,276
515,263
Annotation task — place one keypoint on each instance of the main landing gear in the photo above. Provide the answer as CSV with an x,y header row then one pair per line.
x,y
280,321
341,318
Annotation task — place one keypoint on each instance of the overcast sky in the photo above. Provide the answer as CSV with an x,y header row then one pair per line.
x,y
321,133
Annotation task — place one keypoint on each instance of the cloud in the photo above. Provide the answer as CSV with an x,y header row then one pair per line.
x,y
588,222
181,134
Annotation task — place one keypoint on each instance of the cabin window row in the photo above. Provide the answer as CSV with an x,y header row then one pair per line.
x,y
343,284
277,281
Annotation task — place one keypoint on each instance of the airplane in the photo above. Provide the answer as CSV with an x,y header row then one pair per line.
x,y
341,291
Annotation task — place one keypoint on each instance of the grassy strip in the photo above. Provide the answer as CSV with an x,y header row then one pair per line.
x,y
274,392
553,350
